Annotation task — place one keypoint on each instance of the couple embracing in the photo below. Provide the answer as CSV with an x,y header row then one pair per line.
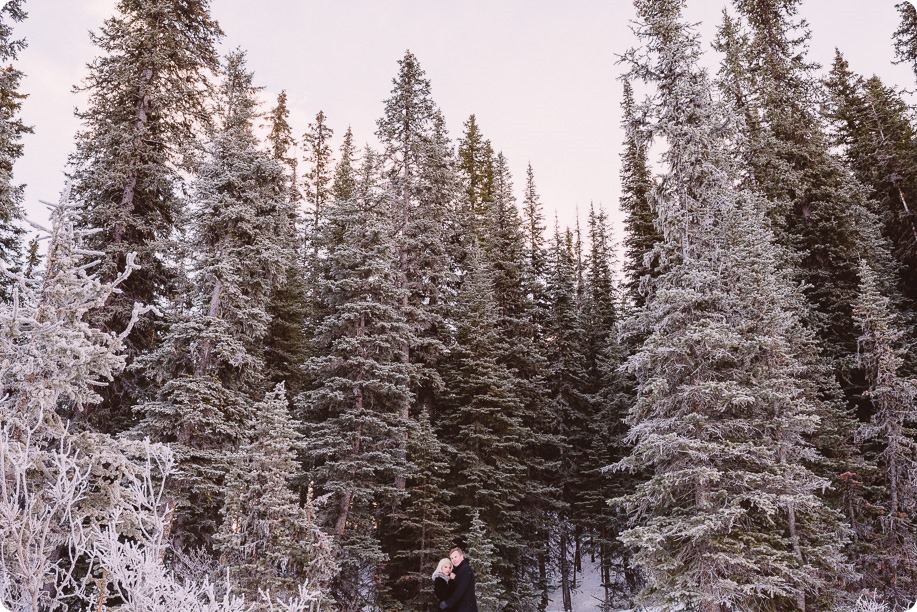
x,y
453,583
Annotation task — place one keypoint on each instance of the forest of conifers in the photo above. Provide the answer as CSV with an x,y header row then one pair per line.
x,y
236,378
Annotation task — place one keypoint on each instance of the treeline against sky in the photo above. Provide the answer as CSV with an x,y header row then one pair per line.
x,y
241,377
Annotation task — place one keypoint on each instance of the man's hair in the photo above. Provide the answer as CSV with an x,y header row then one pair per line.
x,y
457,549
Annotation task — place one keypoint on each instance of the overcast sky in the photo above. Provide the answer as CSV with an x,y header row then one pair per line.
x,y
540,75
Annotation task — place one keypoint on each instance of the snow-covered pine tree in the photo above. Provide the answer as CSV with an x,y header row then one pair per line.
x,y
344,183
636,183
482,420
872,124
146,98
567,400
318,176
424,527
476,168
285,345
821,214
881,355
359,383
730,517
209,370
11,131
533,228
481,555
905,36
503,252
267,540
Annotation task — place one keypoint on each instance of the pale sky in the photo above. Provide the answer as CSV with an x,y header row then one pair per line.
x,y
540,75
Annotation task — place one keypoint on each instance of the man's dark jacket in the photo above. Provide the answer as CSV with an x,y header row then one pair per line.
x,y
463,599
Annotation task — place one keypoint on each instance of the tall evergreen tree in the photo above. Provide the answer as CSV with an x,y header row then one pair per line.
x,y
872,125
636,184
891,567
11,131
730,517
482,421
209,370
146,98
267,540
285,345
821,214
489,592
344,183
360,382
476,165
906,35
318,176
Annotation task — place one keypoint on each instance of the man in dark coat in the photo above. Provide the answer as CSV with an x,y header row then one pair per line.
x,y
463,598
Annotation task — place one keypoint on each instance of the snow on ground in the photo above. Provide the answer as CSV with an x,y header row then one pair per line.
x,y
588,594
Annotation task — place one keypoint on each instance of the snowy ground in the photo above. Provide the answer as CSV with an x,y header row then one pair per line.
x,y
588,594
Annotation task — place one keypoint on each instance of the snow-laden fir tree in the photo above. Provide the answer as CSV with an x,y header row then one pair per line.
x,y
209,369
318,176
11,131
906,35
359,384
344,183
873,126
480,554
482,421
821,214
417,163
567,401
425,530
730,517
636,183
146,98
285,345
476,169
893,427
267,541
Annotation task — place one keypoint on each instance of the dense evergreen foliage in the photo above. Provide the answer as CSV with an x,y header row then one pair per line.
x,y
262,371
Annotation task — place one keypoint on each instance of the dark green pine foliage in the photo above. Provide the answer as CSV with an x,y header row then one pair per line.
x,y
821,214
905,36
872,124
359,384
476,168
344,184
11,132
286,344
504,253
147,93
209,370
318,177
891,434
640,232
730,517
425,530
533,231
482,422
567,400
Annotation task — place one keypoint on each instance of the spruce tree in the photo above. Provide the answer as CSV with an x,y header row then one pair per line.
x,y
482,420
285,345
319,167
905,36
209,370
11,131
359,384
872,124
636,183
490,594
267,540
147,94
730,517
344,183
891,566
